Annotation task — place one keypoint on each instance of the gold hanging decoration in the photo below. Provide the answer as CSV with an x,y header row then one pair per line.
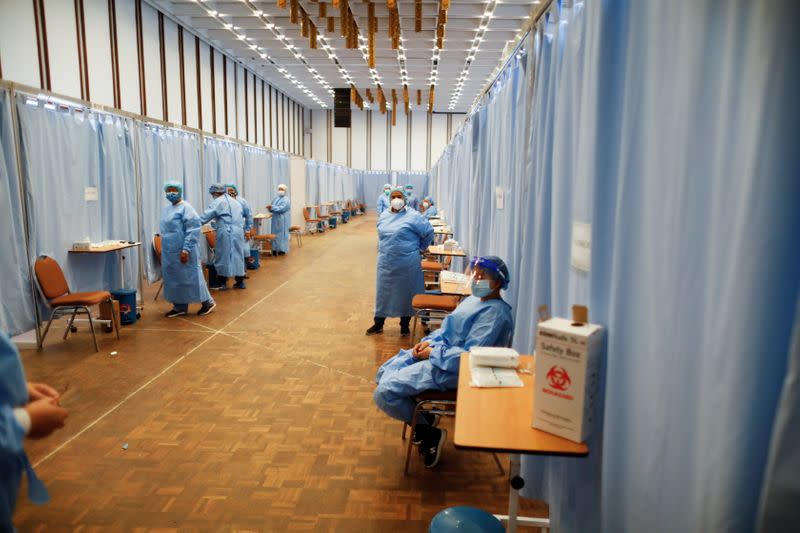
x,y
323,10
419,96
312,36
418,16
335,3
332,25
304,24
293,12
282,4
391,4
430,98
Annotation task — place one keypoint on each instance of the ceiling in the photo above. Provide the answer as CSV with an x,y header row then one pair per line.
x,y
262,35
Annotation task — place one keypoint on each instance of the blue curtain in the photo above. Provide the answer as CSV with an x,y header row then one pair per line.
x,y
166,154
418,179
16,301
372,182
222,163
66,150
675,143
257,187
326,182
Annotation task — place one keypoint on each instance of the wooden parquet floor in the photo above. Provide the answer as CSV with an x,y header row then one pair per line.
x,y
258,417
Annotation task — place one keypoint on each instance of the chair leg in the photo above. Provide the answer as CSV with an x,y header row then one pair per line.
x,y
414,329
499,465
69,324
158,291
411,440
115,317
47,328
91,326
404,430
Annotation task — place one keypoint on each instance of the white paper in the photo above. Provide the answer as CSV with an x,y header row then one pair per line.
x,y
581,246
486,376
90,194
498,195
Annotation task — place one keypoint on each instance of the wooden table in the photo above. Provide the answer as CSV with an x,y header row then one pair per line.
x,y
439,250
116,248
499,420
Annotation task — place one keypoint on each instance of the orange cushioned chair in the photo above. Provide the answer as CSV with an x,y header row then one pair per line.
x,y
53,286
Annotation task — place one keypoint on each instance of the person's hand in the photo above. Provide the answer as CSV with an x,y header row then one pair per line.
x,y
269,207
46,417
184,256
422,350
41,391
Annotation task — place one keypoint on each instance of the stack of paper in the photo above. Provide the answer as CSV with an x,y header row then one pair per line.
x,y
494,367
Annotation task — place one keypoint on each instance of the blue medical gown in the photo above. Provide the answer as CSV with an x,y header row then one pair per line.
x,y
180,230
226,213
281,220
401,237
472,323
247,220
382,203
412,201
431,211
13,460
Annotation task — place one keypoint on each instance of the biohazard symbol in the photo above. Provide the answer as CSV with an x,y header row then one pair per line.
x,y
558,378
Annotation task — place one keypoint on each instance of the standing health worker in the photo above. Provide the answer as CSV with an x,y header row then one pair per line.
x,y
29,410
226,213
281,219
383,199
402,234
411,200
180,265
247,217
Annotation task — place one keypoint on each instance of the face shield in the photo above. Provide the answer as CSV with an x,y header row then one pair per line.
x,y
487,268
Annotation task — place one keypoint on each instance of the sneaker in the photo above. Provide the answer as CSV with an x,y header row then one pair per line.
x,y
421,430
432,446
281,253
405,331
218,288
175,312
375,329
206,309
239,285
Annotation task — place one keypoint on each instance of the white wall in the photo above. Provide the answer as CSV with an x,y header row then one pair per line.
x,y
21,55
364,148
18,50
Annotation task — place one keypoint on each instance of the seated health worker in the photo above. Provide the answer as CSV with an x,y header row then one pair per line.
x,y
427,207
180,263
227,216
29,410
482,319
402,234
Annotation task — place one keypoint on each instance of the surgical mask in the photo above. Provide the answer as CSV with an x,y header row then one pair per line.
x,y
174,197
281,193
481,288
426,205
386,192
398,204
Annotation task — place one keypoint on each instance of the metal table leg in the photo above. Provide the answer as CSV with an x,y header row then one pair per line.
x,y
515,483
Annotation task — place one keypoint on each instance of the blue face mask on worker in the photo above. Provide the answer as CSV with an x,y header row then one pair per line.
x,y
173,197
481,288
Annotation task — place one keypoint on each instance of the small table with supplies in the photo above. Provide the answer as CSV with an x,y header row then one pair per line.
x,y
499,420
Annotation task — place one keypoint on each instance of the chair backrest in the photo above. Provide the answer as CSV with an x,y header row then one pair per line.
x,y
157,245
211,238
50,277
309,213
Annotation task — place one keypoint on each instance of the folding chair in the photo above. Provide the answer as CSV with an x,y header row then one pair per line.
x,y
432,307
312,221
297,231
53,287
